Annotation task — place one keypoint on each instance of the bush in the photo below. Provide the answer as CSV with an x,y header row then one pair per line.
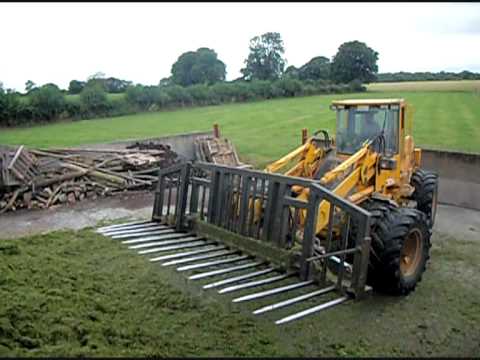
x,y
94,100
47,102
290,87
143,96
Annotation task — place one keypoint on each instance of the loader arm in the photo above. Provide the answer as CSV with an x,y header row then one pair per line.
x,y
363,163
308,157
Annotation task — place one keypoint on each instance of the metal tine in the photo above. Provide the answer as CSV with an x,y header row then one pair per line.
x,y
132,227
223,271
293,300
238,278
155,232
128,227
157,237
254,283
272,291
133,223
312,310
131,231
167,242
188,253
201,257
212,263
176,247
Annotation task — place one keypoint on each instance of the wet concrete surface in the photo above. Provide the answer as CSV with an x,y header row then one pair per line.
x,y
454,221
83,214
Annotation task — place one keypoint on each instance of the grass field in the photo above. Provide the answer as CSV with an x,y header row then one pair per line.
x,y
461,85
80,294
73,293
263,131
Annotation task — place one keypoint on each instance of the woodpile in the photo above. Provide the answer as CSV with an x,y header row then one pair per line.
x,y
33,178
217,150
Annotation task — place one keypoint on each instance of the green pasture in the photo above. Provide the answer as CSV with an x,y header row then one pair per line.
x,y
263,131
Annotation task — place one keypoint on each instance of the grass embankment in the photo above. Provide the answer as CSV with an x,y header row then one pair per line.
x,y
77,293
263,131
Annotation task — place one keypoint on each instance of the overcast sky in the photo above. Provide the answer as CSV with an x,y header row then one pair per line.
x,y
54,42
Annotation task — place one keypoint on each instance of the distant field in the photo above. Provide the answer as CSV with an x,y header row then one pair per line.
x,y
461,85
75,98
263,131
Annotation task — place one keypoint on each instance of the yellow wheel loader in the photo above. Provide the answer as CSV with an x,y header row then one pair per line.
x,y
373,163
340,216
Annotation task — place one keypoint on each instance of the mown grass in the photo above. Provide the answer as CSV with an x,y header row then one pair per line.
x,y
79,294
263,131
453,85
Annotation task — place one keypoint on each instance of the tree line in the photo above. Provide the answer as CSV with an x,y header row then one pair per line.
x,y
197,78
427,76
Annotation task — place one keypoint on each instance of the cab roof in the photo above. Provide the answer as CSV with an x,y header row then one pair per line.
x,y
352,102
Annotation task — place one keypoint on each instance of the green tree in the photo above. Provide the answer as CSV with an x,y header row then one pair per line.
x,y
354,61
29,86
48,101
198,67
317,68
9,104
115,86
75,87
94,98
265,61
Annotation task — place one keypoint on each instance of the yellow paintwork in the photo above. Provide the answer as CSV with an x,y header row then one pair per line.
x,y
359,174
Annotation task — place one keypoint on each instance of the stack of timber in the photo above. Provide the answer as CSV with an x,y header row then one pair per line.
x,y
217,150
33,178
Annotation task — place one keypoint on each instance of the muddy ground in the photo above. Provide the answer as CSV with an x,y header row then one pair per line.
x,y
74,292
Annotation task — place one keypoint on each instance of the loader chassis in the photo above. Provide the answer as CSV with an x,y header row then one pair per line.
x,y
372,162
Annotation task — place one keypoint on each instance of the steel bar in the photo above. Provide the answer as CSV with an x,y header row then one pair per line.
x,y
254,283
167,242
176,247
134,227
155,232
187,253
223,271
131,223
238,278
168,236
293,300
213,263
201,257
272,291
131,231
333,254
117,226
312,310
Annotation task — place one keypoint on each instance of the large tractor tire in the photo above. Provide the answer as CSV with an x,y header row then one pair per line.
x,y
399,249
426,193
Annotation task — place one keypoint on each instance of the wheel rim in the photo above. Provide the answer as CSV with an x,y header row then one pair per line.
x,y
411,253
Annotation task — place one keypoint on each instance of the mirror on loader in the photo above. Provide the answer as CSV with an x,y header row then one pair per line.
x,y
358,123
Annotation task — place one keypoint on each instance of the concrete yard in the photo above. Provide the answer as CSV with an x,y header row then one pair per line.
x,y
451,220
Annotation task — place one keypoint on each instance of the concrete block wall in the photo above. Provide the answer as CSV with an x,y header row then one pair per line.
x,y
459,173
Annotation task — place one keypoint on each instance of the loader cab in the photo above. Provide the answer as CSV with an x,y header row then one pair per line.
x,y
361,120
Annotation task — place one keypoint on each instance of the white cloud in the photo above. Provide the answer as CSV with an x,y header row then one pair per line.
x,y
57,42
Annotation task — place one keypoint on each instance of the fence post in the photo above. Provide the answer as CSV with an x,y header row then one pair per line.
x,y
309,232
304,135
182,196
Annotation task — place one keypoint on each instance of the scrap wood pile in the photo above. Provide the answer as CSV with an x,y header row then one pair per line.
x,y
32,178
217,150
